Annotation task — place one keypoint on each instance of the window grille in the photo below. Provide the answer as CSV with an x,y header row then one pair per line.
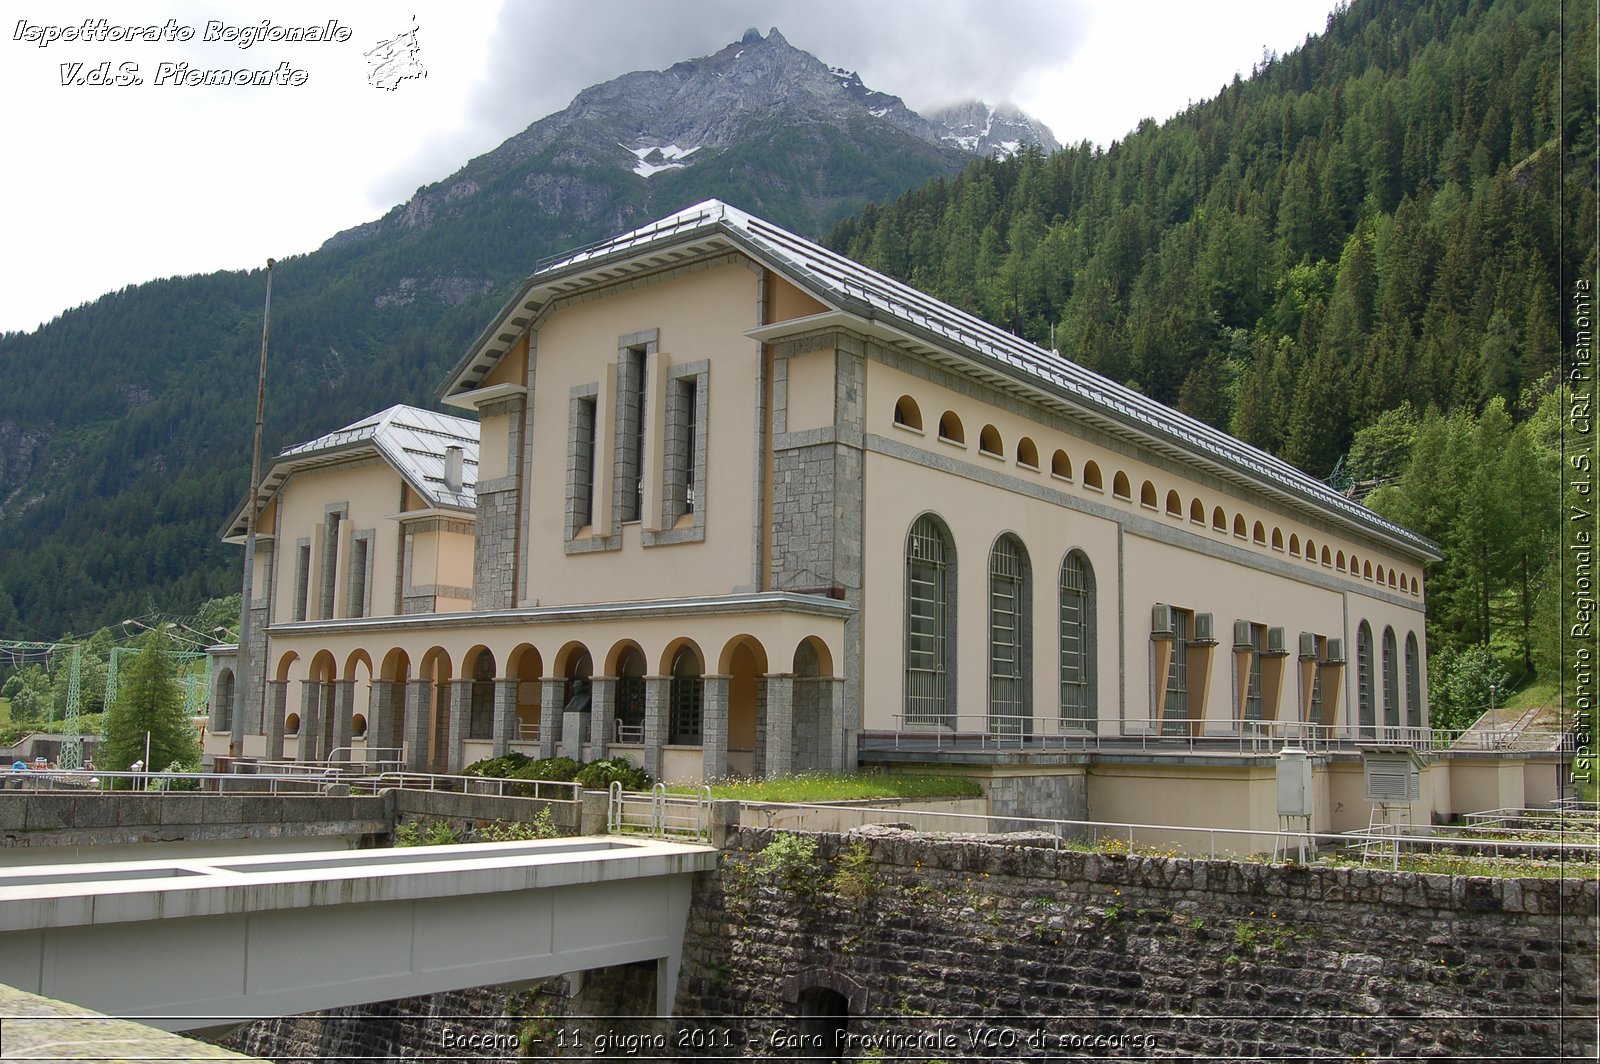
x,y
1077,624
926,632
1391,680
1413,683
1177,694
1006,569
1368,723
1252,694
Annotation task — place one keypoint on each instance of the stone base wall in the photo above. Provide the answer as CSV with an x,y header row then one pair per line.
x,y
1033,951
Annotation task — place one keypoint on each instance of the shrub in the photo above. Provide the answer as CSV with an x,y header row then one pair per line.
x,y
560,769
542,826
175,783
599,775
497,767
791,860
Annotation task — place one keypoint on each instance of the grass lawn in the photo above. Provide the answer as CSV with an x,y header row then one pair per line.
x,y
825,787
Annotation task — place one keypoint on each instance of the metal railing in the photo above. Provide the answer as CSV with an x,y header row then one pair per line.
x,y
998,731
495,786
659,814
87,781
1172,839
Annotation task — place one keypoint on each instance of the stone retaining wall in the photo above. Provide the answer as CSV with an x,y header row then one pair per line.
x,y
1028,949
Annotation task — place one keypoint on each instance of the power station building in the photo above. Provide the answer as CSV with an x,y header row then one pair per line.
x,y
725,502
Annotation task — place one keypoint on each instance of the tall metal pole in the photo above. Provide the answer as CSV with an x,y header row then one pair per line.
x,y
244,659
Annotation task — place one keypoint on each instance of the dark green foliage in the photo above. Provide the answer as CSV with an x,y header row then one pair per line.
x,y
149,700
558,769
1370,220
600,775
498,767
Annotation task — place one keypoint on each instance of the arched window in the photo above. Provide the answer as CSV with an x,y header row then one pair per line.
x,y
989,441
1366,569
1260,534
1197,512
685,699
1325,562
1061,465
1174,504
1120,486
950,428
1277,539
1078,696
1366,718
224,700
1010,642
1219,520
1294,545
907,414
930,622
1239,528
1091,477
1027,453
1147,495
1380,575
1413,683
1338,559
1391,679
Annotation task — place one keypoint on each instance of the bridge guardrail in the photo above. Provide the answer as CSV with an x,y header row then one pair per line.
x,y
659,814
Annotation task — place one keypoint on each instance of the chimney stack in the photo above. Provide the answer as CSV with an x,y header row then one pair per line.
x,y
453,464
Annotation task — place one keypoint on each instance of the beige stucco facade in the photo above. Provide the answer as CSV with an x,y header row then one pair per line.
x,y
702,473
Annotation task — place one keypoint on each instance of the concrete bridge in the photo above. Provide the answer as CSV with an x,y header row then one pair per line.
x,y
187,944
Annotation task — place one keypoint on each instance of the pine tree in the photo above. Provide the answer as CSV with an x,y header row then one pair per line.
x,y
149,701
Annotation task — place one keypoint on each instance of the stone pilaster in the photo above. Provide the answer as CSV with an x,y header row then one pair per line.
x,y
603,711
844,727
714,728
344,708
380,718
310,721
278,695
460,722
505,716
552,695
656,692
779,725
419,715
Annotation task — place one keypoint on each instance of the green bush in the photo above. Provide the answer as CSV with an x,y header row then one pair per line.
x,y
173,783
599,775
542,826
560,769
497,767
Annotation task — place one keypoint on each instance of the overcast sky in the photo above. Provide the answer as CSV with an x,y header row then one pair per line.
x,y
108,185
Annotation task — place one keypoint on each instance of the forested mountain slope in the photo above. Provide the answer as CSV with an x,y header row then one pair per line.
x,y
1362,259
125,423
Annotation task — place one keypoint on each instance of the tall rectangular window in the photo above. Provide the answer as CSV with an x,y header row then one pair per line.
x,y
928,624
1252,693
1176,712
302,579
1314,710
330,565
630,452
356,598
583,434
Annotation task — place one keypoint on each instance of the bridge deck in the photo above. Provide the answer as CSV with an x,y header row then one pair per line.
x,y
189,943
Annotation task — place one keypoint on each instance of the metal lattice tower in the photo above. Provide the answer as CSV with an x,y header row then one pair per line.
x,y
71,755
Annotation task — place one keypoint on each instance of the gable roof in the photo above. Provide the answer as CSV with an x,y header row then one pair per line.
x,y
411,439
867,301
